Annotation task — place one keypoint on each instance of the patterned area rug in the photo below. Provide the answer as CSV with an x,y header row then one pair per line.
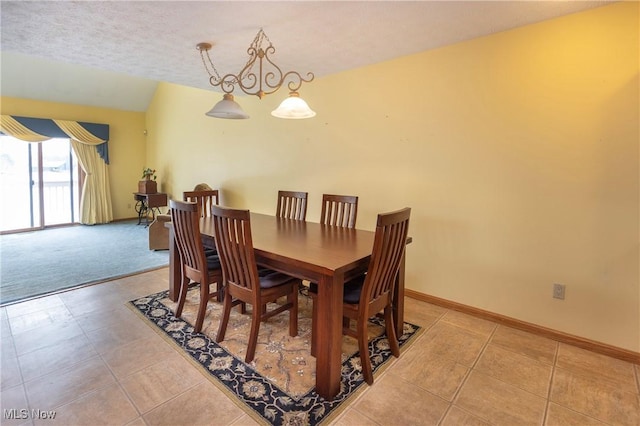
x,y
277,387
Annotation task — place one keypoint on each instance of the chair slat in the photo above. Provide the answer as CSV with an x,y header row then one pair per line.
x,y
205,200
292,205
339,210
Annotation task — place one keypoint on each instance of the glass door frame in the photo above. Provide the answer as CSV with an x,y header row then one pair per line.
x,y
36,190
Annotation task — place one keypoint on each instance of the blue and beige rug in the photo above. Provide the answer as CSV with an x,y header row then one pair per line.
x,y
278,387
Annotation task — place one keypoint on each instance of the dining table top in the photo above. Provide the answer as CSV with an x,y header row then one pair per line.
x,y
314,246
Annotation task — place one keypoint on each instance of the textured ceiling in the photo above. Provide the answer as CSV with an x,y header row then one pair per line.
x,y
112,53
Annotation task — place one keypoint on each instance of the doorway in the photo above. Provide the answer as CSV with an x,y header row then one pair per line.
x,y
39,184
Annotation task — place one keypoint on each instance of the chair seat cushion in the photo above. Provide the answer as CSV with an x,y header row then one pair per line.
x,y
352,290
270,279
263,272
213,262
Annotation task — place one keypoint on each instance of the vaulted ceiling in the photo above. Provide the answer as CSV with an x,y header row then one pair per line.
x,y
113,53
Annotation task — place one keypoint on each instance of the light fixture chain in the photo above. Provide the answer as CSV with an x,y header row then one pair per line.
x,y
256,46
215,74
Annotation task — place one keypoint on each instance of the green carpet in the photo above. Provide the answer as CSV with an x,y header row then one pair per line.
x,y
40,262
278,386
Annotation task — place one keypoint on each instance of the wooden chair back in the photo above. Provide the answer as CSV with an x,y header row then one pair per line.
x,y
243,282
339,210
376,289
388,248
185,217
292,205
234,243
205,199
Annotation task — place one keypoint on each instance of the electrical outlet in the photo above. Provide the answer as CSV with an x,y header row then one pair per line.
x,y
558,291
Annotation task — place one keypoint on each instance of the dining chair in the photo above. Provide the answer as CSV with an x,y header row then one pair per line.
x,y
339,210
292,205
159,233
205,199
244,282
371,293
196,266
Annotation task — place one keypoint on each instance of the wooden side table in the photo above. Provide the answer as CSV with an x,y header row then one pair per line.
x,y
149,204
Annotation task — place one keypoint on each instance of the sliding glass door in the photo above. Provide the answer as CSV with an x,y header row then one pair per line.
x,y
59,183
39,184
17,161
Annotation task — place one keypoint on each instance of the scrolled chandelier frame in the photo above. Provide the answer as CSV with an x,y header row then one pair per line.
x,y
267,79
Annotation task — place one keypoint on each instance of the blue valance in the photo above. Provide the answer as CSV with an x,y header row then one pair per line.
x,y
33,129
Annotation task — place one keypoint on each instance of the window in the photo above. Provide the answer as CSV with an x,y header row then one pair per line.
x,y
39,184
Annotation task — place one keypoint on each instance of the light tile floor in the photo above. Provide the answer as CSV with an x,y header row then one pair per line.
x,y
86,356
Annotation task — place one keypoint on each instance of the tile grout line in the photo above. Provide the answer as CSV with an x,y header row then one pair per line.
x,y
19,365
77,396
23,383
122,389
422,336
126,393
549,401
76,318
344,413
106,364
553,373
450,403
466,376
464,379
607,380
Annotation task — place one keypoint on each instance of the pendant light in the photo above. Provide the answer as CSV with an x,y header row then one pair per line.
x,y
294,107
227,108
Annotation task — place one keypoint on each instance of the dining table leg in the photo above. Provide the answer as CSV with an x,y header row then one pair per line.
x,y
329,335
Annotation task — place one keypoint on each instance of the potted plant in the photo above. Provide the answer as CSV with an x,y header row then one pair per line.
x,y
148,184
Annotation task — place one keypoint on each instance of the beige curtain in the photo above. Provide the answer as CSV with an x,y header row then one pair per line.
x,y
95,204
95,200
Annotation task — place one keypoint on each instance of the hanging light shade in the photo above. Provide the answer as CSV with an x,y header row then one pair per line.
x,y
227,108
294,107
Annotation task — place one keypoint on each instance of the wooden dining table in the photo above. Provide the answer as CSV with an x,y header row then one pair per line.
x,y
324,254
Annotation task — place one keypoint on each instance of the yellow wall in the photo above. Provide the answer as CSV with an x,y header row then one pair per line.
x,y
127,148
518,153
